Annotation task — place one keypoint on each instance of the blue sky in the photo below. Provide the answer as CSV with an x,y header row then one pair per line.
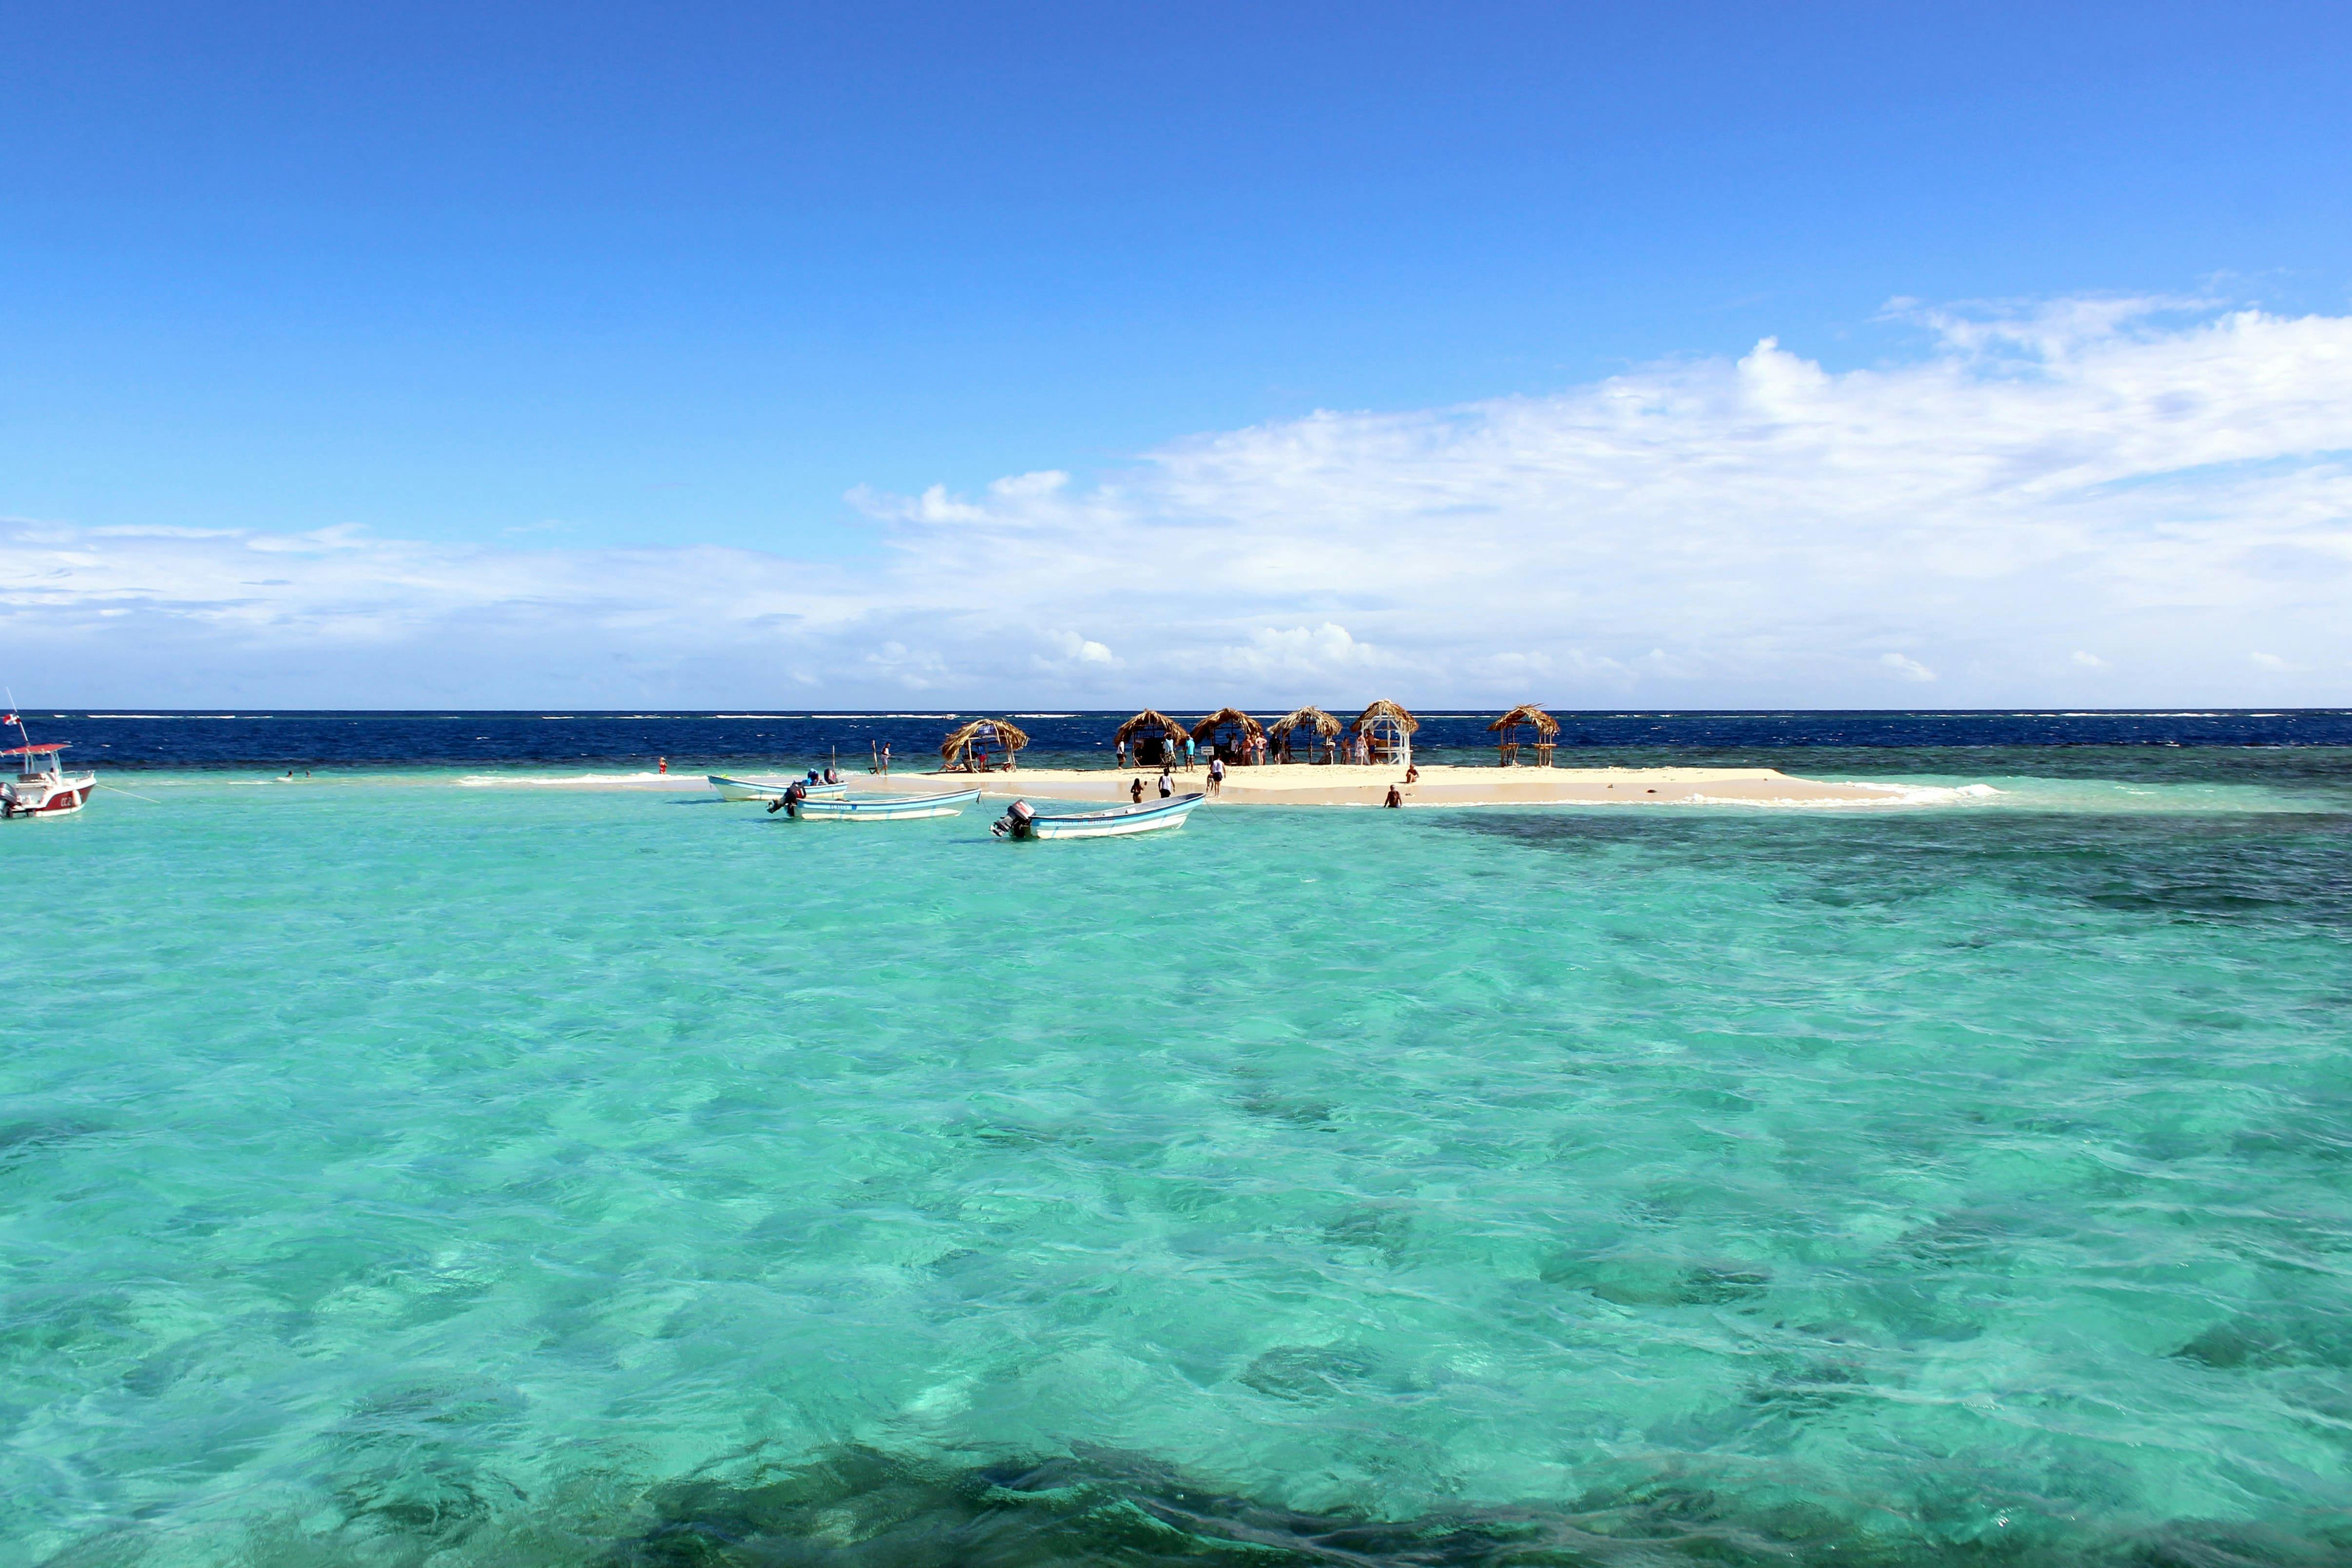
x,y
599,279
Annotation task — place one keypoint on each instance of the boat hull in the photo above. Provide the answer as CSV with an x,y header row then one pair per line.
x,y
768,789
21,799
1116,824
900,810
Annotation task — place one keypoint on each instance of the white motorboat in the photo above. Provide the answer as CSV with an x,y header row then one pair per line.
x,y
41,787
879,808
1024,821
770,789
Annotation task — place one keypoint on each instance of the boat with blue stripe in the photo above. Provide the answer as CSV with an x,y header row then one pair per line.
x,y
770,789
1024,821
878,808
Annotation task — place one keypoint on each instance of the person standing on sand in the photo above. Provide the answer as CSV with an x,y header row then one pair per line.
x,y
1121,755
1167,784
664,763
1135,795
1190,751
1216,775
886,759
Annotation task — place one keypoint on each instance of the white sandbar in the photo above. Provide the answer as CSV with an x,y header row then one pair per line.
x,y
1305,785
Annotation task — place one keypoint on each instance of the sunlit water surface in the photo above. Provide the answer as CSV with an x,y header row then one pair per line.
x,y
400,1174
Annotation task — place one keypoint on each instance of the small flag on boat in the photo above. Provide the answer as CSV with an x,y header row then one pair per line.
x,y
11,719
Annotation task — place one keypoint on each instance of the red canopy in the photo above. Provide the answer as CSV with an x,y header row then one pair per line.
x,y
35,751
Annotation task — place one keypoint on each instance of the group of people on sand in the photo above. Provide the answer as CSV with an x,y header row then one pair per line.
x,y
1169,753
1167,785
1251,751
1217,783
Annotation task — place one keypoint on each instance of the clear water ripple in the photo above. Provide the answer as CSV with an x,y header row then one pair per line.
x,y
403,1175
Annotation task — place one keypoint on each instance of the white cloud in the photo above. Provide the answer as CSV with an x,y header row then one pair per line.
x,y
2171,488
1076,649
1299,652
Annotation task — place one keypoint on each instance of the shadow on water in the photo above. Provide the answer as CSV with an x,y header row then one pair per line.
x,y
2291,868
876,1511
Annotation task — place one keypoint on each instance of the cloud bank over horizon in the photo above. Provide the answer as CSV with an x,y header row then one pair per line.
x,y
2086,503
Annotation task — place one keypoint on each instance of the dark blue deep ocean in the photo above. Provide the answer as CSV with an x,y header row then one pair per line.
x,y
1891,742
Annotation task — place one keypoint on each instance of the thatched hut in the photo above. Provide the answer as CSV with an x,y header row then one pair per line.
x,y
1322,734
973,748
1384,733
1230,733
1517,726
1154,737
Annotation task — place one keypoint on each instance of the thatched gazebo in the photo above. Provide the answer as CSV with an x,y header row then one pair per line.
x,y
1528,718
1155,737
1230,733
967,749
1322,731
1386,731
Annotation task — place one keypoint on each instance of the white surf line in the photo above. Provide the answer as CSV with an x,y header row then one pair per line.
x,y
683,780
1900,795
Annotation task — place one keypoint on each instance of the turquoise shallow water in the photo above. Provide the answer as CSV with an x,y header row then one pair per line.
x,y
406,1175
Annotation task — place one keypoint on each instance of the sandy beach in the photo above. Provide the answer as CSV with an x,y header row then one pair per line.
x,y
1437,786
1299,784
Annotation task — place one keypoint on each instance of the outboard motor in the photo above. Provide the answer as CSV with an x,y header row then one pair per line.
x,y
1019,821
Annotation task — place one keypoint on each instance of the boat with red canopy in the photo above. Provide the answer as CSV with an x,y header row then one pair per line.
x,y
41,787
